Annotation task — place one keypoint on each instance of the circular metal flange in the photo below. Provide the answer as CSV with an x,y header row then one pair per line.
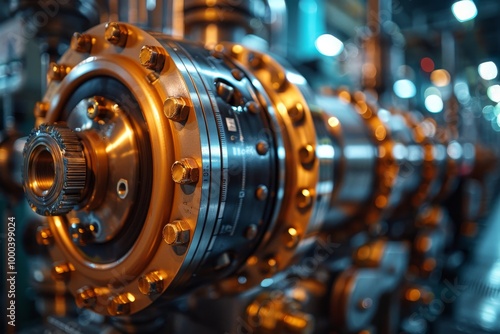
x,y
295,125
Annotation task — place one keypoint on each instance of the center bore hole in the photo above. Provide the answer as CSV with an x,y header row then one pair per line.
x,y
43,172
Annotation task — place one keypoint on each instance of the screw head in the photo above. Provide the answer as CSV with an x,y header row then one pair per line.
x,y
85,297
81,43
176,109
291,238
152,57
296,112
262,147
44,236
185,171
307,155
152,283
120,305
176,233
261,193
116,34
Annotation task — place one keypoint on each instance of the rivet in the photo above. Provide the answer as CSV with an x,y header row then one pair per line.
x,y
261,192
44,236
365,303
307,155
152,57
176,233
116,34
175,109
81,43
185,171
304,199
296,112
262,147
152,283
120,305
85,297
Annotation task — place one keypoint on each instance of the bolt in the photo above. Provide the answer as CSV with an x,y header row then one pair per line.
x,y
44,236
85,297
176,233
81,43
253,107
175,109
261,192
307,155
237,74
152,283
116,34
262,147
185,171
291,238
225,91
41,109
152,57
82,234
152,77
296,112
278,79
304,199
62,271
120,305
57,72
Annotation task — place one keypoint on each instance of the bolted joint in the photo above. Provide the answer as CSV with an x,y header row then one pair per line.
x,y
116,33
152,57
81,43
177,233
185,171
120,305
176,109
152,283
57,72
85,297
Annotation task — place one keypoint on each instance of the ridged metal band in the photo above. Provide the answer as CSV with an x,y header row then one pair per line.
x,y
66,170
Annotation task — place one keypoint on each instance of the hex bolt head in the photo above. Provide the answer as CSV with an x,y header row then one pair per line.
x,y
57,72
152,57
296,112
85,297
176,109
177,233
62,271
81,43
44,236
116,34
41,109
120,305
185,171
152,283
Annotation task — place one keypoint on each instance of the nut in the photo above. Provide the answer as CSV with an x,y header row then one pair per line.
x,y
185,171
175,109
152,283
81,42
176,233
116,34
152,57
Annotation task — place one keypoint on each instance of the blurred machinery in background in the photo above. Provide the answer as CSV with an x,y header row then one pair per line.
x,y
229,167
